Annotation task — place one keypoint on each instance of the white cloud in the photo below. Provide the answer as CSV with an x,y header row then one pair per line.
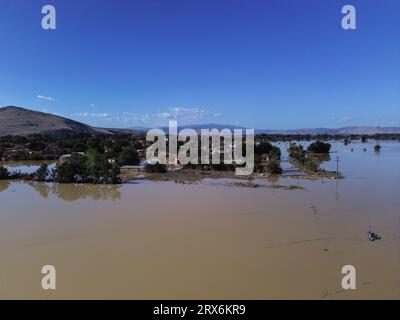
x,y
42,97
92,105
103,115
182,115
185,115
128,117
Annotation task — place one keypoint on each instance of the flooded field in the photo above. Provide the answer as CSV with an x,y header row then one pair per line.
x,y
26,166
209,240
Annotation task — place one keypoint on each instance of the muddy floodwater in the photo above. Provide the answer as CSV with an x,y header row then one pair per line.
x,y
209,240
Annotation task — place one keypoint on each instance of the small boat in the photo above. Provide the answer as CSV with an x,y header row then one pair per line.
x,y
373,236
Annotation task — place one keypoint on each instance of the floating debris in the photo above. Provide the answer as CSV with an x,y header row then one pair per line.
x,y
373,236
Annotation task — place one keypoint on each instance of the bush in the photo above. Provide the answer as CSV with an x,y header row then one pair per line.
x,y
42,173
4,173
34,156
222,167
36,146
155,168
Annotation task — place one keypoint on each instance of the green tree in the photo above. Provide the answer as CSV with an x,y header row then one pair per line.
x,y
123,143
79,147
69,170
275,153
129,156
114,173
97,165
263,147
116,149
95,143
138,145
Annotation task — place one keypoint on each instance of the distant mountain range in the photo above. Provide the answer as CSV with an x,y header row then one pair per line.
x,y
20,121
354,130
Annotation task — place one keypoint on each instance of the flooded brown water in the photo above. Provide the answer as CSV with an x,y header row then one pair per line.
x,y
162,240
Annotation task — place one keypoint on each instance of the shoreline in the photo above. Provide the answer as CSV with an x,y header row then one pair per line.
x,y
192,175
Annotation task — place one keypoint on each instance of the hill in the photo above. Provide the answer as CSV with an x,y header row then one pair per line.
x,y
23,122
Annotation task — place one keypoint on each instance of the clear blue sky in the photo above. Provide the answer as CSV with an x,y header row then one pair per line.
x,y
263,64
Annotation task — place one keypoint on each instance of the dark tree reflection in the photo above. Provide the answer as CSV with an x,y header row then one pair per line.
x,y
73,192
42,188
4,184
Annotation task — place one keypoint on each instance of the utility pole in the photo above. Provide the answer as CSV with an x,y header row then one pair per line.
x,y
337,178
337,167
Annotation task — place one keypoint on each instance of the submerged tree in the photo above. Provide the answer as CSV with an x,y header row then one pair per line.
x,y
302,159
364,139
275,153
262,147
42,173
97,165
319,147
70,170
115,173
311,165
274,167
297,152
377,148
